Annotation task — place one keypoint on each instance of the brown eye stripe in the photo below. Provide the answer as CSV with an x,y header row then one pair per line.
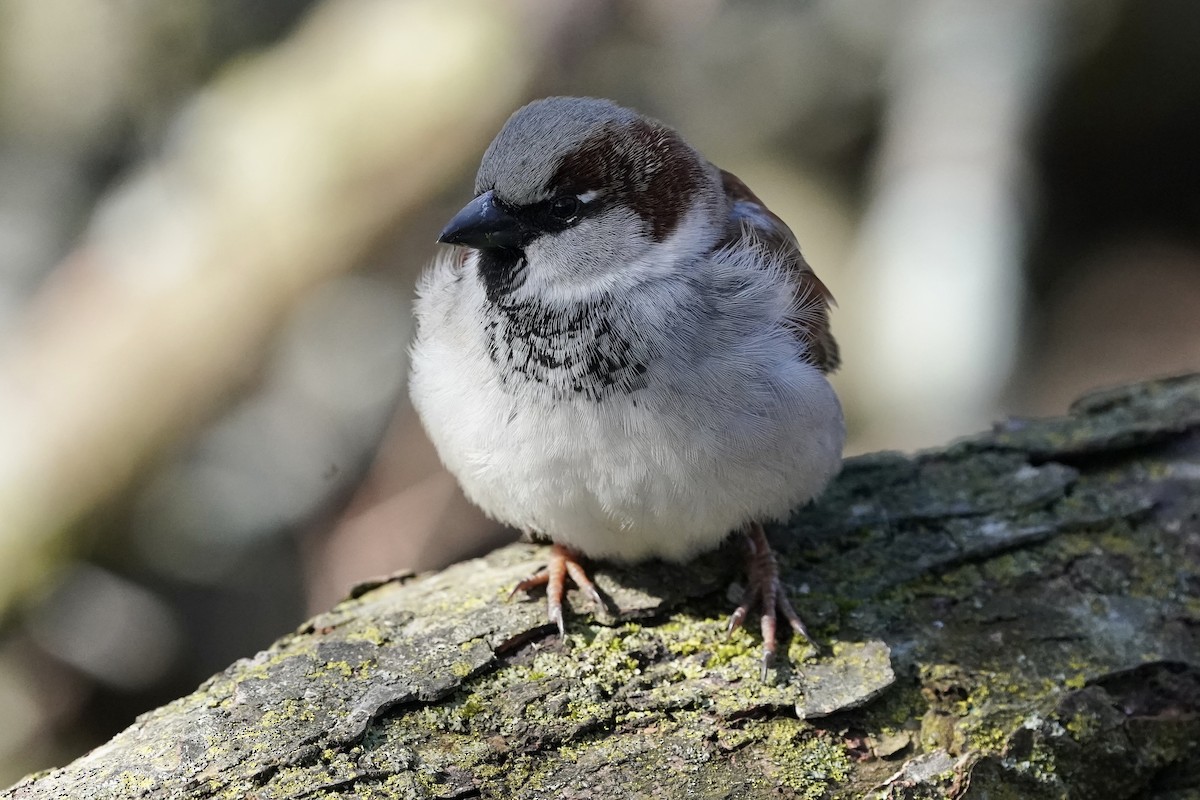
x,y
645,166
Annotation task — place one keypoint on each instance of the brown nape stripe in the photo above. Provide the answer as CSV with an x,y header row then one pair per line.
x,y
644,166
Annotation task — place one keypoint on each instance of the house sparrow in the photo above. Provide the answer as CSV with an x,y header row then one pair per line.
x,y
630,358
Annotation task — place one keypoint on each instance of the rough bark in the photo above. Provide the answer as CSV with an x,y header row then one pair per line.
x,y
1014,616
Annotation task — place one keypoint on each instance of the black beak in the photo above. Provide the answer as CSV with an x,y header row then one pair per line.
x,y
483,224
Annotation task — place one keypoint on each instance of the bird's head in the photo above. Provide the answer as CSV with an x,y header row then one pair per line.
x,y
576,194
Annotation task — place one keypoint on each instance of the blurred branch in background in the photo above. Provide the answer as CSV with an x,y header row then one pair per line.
x,y
942,234
282,173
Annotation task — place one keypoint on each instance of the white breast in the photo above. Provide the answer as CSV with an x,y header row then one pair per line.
x,y
731,425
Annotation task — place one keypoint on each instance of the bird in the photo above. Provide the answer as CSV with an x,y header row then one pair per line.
x,y
626,354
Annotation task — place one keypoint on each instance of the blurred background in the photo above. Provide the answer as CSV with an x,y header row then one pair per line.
x,y
212,214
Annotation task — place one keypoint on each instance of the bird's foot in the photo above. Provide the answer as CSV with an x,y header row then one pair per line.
x,y
563,562
765,592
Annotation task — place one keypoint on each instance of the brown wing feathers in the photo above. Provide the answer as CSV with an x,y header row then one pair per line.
x,y
811,317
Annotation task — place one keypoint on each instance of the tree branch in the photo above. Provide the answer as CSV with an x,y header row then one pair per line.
x,y
1016,615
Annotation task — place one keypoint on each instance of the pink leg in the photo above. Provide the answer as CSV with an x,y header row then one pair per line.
x,y
764,591
563,562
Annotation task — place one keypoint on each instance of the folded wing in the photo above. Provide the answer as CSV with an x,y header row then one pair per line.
x,y
749,217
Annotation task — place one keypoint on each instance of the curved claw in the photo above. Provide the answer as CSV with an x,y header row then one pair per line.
x,y
737,618
535,580
798,627
554,614
768,661
585,584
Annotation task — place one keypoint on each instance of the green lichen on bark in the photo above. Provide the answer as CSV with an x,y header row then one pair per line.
x,y
1017,615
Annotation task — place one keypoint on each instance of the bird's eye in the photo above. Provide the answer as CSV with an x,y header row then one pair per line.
x,y
564,208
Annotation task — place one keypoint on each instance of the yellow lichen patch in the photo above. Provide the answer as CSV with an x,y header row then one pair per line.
x,y
805,761
372,634
1082,726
